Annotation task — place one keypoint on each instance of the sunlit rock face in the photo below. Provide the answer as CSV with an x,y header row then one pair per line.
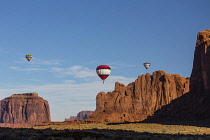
x,y
26,108
139,99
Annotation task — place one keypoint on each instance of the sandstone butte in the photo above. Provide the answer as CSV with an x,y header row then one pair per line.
x,y
195,105
80,116
26,108
139,99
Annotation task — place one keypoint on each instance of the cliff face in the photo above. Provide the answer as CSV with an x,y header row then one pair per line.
x,y
26,108
194,105
80,116
139,99
200,76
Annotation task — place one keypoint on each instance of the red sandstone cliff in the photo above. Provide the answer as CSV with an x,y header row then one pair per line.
x,y
26,108
139,99
200,76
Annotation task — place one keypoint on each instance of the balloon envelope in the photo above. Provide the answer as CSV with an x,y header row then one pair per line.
x,y
103,71
147,65
28,57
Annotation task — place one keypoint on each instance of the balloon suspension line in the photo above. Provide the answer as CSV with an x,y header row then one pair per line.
x,y
103,81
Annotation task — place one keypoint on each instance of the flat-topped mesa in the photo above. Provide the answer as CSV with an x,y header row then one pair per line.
x,y
80,116
25,108
25,95
140,98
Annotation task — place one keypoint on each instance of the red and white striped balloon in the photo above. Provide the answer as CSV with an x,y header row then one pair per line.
x,y
103,71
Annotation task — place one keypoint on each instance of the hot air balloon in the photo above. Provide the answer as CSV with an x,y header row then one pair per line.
x,y
147,65
28,57
103,71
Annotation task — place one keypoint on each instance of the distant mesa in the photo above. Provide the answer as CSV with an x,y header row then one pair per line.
x,y
25,108
80,116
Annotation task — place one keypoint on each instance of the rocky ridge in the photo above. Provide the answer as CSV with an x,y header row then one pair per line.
x,y
140,99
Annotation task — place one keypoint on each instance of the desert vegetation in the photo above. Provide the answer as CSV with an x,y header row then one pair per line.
x,y
131,131
135,127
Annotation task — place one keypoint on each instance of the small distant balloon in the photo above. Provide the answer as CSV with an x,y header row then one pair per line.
x,y
28,57
147,65
103,71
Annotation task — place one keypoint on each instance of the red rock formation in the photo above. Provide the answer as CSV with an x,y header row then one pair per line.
x,y
139,99
200,76
80,116
26,108
84,115
71,118
194,105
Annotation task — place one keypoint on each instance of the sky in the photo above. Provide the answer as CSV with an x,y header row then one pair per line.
x,y
70,38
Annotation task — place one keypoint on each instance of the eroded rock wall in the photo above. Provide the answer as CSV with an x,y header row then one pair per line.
x,y
195,105
26,108
139,99
200,76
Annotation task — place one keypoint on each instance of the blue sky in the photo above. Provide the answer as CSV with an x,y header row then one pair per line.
x,y
70,38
